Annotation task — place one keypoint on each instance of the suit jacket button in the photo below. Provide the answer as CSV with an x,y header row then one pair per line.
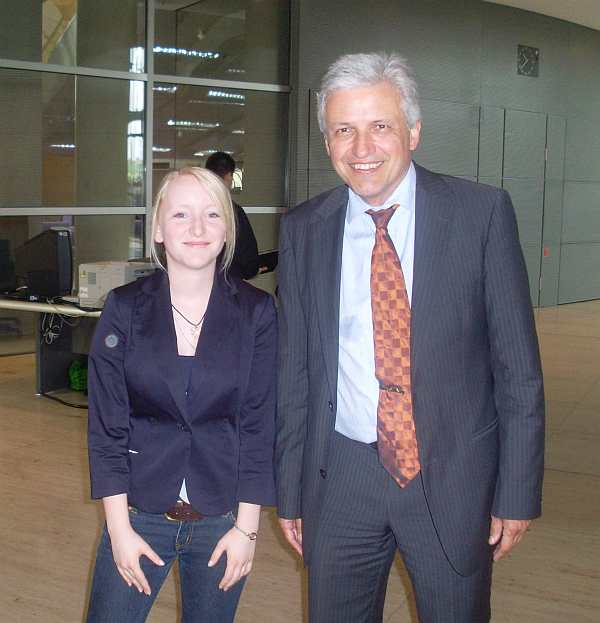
x,y
330,405
323,473
181,427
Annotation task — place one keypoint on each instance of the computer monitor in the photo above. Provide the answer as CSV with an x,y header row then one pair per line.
x,y
7,268
44,264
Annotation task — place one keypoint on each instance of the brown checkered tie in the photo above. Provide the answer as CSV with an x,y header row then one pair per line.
x,y
396,437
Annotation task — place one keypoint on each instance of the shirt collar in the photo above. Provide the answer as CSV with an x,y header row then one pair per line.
x,y
404,195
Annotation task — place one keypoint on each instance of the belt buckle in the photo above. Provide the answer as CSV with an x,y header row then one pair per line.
x,y
177,513
182,512
170,517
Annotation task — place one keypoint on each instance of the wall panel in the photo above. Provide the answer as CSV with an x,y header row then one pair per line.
x,y
464,55
449,138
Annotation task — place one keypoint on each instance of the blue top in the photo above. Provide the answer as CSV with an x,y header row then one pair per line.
x,y
186,362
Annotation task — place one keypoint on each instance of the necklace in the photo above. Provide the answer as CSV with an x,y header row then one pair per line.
x,y
181,331
195,326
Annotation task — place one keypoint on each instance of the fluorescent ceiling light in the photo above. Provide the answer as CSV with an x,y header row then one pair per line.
x,y
204,54
226,95
208,152
201,125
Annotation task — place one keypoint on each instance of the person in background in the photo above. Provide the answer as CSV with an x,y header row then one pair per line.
x,y
245,257
411,404
181,415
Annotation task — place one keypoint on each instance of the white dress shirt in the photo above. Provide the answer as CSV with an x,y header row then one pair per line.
x,y
358,389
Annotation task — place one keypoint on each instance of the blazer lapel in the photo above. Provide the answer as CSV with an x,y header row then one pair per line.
x,y
219,328
217,349
165,348
433,210
327,234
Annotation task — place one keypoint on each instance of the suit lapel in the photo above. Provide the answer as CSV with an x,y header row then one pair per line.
x,y
433,210
326,237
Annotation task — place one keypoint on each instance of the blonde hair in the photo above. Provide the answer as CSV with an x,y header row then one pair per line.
x,y
217,191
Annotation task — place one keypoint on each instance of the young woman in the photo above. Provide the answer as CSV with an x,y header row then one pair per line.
x,y
181,415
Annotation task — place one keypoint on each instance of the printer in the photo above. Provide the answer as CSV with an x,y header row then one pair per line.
x,y
97,279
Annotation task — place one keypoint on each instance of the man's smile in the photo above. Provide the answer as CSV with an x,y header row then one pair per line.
x,y
365,166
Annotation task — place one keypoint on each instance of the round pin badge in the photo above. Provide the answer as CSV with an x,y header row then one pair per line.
x,y
111,340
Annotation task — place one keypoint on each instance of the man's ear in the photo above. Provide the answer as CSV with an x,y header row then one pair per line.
x,y
326,145
415,135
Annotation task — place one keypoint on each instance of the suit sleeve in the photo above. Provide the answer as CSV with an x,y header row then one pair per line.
x,y
257,416
245,258
293,383
108,410
518,386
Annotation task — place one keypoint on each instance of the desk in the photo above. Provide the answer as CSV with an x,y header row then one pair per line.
x,y
54,358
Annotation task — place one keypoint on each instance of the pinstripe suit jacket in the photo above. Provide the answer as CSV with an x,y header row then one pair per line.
x,y
476,377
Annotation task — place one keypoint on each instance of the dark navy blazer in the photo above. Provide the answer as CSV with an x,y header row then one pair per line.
x,y
147,431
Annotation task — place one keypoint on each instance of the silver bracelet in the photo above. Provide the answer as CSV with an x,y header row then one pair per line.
x,y
250,535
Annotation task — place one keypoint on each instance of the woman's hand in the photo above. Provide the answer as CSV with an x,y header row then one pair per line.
x,y
127,547
239,550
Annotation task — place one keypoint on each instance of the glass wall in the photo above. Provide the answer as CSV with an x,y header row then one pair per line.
x,y
106,34
74,94
228,39
70,140
193,122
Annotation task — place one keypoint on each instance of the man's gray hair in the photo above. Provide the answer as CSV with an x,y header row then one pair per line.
x,y
360,70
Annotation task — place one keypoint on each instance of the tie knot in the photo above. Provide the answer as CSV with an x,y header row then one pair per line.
x,y
381,218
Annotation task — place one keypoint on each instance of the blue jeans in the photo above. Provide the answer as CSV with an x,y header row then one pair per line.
x,y
189,542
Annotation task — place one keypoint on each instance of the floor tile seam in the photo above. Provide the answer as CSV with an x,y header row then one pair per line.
x,y
390,617
590,390
544,531
555,329
569,411
572,473
544,331
562,428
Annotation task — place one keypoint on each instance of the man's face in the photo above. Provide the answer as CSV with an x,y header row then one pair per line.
x,y
228,180
368,141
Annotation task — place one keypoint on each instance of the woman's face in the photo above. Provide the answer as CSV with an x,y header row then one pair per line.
x,y
190,225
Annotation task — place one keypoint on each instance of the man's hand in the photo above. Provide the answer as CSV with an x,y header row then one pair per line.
x,y
505,534
292,530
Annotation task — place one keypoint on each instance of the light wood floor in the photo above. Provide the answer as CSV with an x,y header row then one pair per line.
x,y
49,526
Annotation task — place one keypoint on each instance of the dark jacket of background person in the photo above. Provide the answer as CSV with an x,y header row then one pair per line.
x,y
245,257
146,433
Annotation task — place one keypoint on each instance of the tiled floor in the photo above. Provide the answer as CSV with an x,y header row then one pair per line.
x,y
49,526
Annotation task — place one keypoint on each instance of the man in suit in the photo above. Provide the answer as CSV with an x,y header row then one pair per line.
x,y
245,258
410,411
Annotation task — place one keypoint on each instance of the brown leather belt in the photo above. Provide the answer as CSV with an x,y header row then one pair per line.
x,y
182,511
